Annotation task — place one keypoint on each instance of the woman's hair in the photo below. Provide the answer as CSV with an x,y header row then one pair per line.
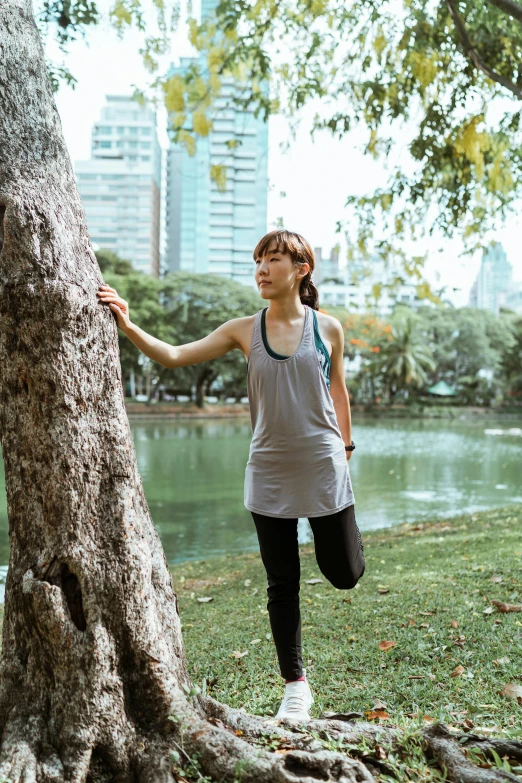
x,y
300,252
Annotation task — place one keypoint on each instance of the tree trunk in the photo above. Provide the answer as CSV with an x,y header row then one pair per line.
x,y
93,680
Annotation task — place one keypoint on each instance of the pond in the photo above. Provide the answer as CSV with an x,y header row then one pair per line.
x,y
402,471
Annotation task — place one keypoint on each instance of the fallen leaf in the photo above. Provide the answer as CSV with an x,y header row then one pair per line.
x,y
383,591
502,661
238,654
379,705
432,677
239,733
412,622
314,581
386,645
457,671
427,614
512,691
255,641
205,599
247,582
377,714
489,610
380,753
454,624
467,724
496,579
424,625
416,677
502,607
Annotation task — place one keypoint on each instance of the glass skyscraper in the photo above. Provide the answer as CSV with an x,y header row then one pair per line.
x,y
494,280
208,230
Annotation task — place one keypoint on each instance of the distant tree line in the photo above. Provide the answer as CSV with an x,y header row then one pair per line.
x,y
398,357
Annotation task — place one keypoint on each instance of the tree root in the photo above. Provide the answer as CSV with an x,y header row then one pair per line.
x,y
445,748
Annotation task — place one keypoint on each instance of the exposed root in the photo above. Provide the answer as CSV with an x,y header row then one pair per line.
x,y
444,748
510,748
225,756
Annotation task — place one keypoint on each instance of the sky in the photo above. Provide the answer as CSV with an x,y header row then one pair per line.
x,y
308,184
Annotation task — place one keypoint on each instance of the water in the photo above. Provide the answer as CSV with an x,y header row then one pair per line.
x,y
402,471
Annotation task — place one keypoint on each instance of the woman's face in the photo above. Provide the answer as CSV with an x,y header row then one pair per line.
x,y
276,275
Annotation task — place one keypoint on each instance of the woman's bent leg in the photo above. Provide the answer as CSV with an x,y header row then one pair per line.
x,y
338,548
280,554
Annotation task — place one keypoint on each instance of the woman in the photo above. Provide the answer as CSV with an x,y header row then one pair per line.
x,y
301,444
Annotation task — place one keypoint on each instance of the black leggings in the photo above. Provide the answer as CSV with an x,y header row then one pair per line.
x,y
339,555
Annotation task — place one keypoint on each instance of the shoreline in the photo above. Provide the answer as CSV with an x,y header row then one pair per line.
x,y
158,411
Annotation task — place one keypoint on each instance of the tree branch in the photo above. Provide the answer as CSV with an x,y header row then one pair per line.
x,y
509,7
471,52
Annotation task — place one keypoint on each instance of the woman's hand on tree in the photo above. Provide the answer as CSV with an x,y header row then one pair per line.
x,y
118,305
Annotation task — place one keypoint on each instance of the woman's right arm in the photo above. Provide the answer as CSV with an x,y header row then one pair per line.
x,y
217,343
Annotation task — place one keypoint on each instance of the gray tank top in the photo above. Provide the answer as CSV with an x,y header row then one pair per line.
x,y
297,465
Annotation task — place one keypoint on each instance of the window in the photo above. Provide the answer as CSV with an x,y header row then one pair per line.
x,y
146,131
87,176
133,145
145,157
133,131
105,144
145,145
106,129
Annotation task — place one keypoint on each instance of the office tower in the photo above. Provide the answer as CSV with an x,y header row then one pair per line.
x,y
207,230
493,281
120,184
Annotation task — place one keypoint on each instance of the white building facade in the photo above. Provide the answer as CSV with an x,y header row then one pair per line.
x,y
351,286
120,185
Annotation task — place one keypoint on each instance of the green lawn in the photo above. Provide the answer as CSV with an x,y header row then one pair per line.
x,y
426,588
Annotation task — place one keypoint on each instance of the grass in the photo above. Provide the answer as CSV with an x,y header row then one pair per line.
x,y
426,588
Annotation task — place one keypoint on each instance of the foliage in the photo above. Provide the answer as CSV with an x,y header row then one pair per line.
x,y
473,350
195,305
406,359
512,359
440,82
179,309
142,292
415,75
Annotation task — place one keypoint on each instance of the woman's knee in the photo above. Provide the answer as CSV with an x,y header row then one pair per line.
x,y
346,580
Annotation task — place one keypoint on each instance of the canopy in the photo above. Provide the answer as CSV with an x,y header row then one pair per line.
x,y
442,389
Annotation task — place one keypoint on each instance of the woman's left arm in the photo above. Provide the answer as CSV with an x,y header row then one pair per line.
x,y
338,390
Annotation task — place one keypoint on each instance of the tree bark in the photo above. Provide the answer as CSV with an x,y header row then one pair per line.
x,y
93,679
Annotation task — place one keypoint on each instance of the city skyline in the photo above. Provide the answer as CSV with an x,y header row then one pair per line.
x,y
316,177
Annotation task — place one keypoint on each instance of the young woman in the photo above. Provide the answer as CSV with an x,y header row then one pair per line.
x,y
301,444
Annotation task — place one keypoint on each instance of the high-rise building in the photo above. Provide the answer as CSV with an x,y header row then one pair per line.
x,y
120,184
493,281
352,286
209,230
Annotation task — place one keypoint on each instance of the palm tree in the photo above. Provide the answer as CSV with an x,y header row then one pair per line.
x,y
406,359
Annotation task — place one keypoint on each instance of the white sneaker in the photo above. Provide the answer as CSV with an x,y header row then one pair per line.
x,y
296,702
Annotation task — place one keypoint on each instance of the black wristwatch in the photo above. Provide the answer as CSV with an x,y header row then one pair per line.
x,y
350,447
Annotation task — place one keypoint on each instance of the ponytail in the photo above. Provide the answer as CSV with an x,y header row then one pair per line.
x,y
300,251
308,293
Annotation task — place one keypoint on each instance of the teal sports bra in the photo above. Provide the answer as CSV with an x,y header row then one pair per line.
x,y
322,350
